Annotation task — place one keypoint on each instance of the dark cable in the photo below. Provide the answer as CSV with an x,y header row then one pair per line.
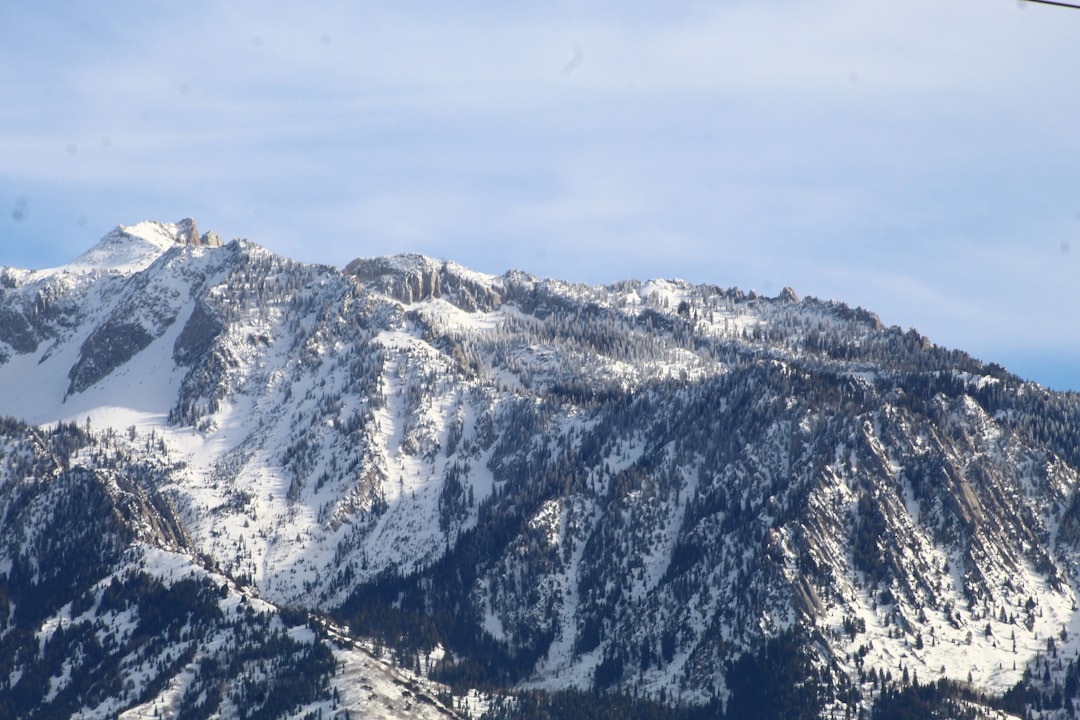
x,y
1052,2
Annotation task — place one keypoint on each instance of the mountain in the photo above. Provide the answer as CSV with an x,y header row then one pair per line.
x,y
379,489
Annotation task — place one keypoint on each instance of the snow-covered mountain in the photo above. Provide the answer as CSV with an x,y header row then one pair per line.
x,y
220,459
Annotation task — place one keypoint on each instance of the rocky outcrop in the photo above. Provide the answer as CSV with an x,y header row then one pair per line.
x,y
414,278
197,336
16,331
107,348
188,234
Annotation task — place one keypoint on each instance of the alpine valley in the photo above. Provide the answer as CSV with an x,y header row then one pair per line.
x,y
233,485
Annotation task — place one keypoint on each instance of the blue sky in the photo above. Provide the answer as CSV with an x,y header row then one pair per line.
x,y
918,158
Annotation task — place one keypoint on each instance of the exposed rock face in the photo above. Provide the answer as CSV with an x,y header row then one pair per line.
x,y
210,239
16,331
108,347
414,278
188,234
198,335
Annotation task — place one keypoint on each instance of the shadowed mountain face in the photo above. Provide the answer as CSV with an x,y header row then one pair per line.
x,y
705,498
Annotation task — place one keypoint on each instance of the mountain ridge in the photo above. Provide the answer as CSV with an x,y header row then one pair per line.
x,y
639,487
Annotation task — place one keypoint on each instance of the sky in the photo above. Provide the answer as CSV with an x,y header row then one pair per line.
x,y
919,159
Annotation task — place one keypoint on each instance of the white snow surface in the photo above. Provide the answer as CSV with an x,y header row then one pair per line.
x,y
126,250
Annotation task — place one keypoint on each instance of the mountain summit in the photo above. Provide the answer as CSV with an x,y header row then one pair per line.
x,y
233,483
130,249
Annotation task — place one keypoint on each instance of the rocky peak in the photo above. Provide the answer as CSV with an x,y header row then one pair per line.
x,y
187,233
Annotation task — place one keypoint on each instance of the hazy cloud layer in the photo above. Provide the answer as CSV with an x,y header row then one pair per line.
x,y
916,158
